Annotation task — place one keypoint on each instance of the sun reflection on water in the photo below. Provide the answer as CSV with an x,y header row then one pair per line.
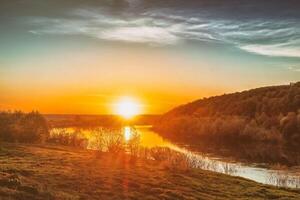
x,y
127,133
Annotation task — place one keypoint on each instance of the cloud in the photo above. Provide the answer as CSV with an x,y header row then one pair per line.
x,y
294,68
142,30
264,37
142,34
148,28
273,50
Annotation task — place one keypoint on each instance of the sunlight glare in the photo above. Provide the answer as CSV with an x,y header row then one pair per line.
x,y
127,107
127,133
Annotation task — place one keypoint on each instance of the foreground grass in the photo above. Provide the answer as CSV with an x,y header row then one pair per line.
x,y
55,172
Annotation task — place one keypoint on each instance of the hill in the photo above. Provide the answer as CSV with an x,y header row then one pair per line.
x,y
272,100
268,115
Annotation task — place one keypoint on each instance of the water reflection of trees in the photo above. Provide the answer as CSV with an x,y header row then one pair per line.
x,y
283,179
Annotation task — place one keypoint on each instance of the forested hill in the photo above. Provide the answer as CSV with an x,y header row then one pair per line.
x,y
268,114
273,100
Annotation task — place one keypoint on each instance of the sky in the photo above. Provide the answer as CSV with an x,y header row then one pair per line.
x,y
74,56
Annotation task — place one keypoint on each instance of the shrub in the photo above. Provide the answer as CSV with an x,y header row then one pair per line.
x,y
114,142
23,127
71,138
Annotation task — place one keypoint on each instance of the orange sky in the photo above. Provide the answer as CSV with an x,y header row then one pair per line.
x,y
89,82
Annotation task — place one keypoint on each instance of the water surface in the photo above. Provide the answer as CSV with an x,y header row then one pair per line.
x,y
289,177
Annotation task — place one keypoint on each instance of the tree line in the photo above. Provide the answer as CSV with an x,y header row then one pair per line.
x,y
268,114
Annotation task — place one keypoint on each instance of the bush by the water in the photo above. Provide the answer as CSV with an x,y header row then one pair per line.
x,y
113,141
102,139
23,127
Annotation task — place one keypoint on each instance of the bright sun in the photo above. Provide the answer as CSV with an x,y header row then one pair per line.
x,y
127,107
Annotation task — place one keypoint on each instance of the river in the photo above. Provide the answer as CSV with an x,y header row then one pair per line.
x,y
288,177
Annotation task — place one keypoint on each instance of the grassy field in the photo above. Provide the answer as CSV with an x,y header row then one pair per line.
x,y
55,172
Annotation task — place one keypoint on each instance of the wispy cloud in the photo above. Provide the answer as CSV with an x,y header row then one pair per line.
x,y
142,34
273,50
106,27
294,68
264,37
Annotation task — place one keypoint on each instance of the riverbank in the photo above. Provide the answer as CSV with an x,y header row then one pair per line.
x,y
56,172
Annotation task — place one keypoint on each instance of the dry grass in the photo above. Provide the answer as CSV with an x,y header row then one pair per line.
x,y
56,172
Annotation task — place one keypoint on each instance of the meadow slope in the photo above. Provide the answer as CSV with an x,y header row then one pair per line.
x,y
55,172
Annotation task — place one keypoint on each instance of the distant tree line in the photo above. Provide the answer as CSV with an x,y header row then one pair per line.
x,y
97,120
23,127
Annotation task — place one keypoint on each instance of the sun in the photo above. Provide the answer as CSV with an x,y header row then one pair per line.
x,y
127,107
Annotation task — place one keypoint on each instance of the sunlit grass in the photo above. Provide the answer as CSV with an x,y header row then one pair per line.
x,y
56,172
